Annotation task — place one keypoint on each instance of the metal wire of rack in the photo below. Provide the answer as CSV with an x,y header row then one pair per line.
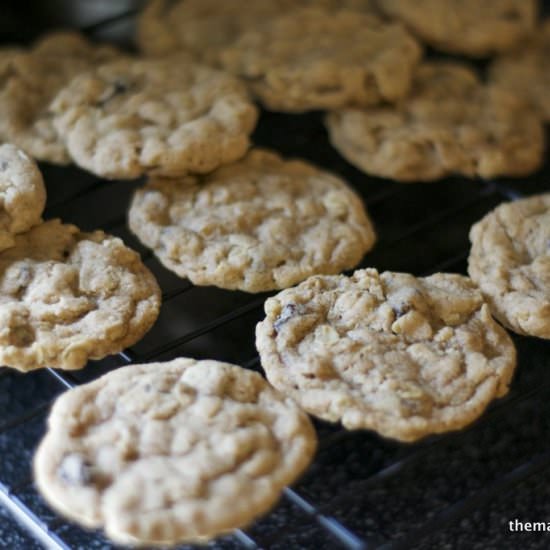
x,y
362,492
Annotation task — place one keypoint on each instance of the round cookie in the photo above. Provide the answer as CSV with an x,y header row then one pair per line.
x,y
324,59
526,71
401,355
30,81
471,27
67,296
164,116
450,124
172,452
259,224
22,194
510,262
201,27
206,27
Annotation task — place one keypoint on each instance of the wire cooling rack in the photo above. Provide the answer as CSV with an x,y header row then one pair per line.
x,y
362,492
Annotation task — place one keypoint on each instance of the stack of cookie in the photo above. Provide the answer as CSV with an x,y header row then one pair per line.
x,y
187,450
119,116
212,211
30,80
392,115
207,446
66,296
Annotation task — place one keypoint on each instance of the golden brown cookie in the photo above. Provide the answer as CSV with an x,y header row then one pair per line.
x,y
450,124
164,116
172,452
401,355
262,223
472,27
510,261
68,296
205,28
324,59
22,194
31,79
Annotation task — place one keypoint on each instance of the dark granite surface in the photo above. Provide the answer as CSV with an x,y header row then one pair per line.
x,y
13,536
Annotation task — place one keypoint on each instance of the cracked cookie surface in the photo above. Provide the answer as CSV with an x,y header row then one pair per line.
x,y
401,355
166,116
22,194
467,27
450,124
30,79
306,60
205,27
510,262
259,224
68,296
172,452
526,71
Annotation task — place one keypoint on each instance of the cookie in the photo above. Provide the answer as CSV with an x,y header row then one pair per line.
x,y
510,261
204,28
470,27
322,59
30,81
262,223
172,452
22,194
400,355
68,296
164,116
201,27
526,71
450,124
